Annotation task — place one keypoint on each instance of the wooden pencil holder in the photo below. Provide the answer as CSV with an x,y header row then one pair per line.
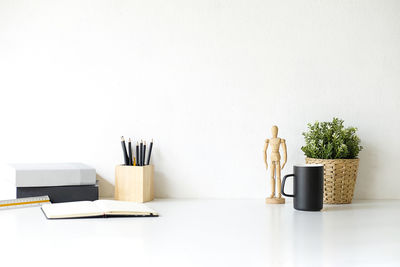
x,y
134,183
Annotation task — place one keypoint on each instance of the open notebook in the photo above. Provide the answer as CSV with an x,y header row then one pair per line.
x,y
97,208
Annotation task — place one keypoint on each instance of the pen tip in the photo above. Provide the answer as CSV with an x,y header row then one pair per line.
x,y
129,139
144,142
122,138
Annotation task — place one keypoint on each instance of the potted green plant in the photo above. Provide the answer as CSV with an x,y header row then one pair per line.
x,y
337,148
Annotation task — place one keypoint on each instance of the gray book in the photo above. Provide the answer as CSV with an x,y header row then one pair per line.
x,y
48,174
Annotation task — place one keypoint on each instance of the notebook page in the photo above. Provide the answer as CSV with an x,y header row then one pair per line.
x,y
123,207
72,210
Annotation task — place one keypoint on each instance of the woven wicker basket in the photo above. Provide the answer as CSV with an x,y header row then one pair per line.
x,y
339,179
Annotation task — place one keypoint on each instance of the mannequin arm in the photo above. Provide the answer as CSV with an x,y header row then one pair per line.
x,y
283,143
265,152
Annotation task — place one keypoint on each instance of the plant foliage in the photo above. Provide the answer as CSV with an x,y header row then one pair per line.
x,y
331,140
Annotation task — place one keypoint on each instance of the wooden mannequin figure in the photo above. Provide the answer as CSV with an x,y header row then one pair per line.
x,y
275,143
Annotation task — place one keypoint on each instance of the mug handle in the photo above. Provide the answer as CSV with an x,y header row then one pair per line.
x,y
283,185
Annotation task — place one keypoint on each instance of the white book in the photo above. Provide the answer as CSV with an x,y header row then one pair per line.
x,y
97,208
48,174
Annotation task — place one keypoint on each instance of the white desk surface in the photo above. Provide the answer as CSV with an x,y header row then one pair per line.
x,y
208,233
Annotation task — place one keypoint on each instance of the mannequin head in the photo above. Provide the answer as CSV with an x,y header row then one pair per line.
x,y
274,131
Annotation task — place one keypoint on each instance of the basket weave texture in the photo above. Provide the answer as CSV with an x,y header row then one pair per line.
x,y
339,179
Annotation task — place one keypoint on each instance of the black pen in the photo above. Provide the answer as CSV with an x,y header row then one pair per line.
x,y
137,154
144,153
130,152
141,153
150,148
124,150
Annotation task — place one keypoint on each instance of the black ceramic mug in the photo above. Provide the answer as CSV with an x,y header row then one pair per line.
x,y
308,187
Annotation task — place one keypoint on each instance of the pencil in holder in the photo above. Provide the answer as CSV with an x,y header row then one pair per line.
x,y
134,183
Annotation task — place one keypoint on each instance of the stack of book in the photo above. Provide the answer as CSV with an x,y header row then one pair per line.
x,y
62,182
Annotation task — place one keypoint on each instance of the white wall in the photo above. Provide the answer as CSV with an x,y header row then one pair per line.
x,y
205,79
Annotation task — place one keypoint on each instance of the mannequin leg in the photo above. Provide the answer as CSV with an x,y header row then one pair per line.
x,y
278,178
273,179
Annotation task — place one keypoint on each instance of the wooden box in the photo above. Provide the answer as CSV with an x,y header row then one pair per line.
x,y
134,183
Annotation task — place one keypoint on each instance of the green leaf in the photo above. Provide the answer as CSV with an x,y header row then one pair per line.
x,y
331,140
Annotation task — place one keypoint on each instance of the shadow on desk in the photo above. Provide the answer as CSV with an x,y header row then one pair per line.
x,y
106,189
356,205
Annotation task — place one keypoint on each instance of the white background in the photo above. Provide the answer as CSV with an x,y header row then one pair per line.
x,y
205,79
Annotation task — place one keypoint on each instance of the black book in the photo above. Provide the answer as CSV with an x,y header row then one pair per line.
x,y
59,194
